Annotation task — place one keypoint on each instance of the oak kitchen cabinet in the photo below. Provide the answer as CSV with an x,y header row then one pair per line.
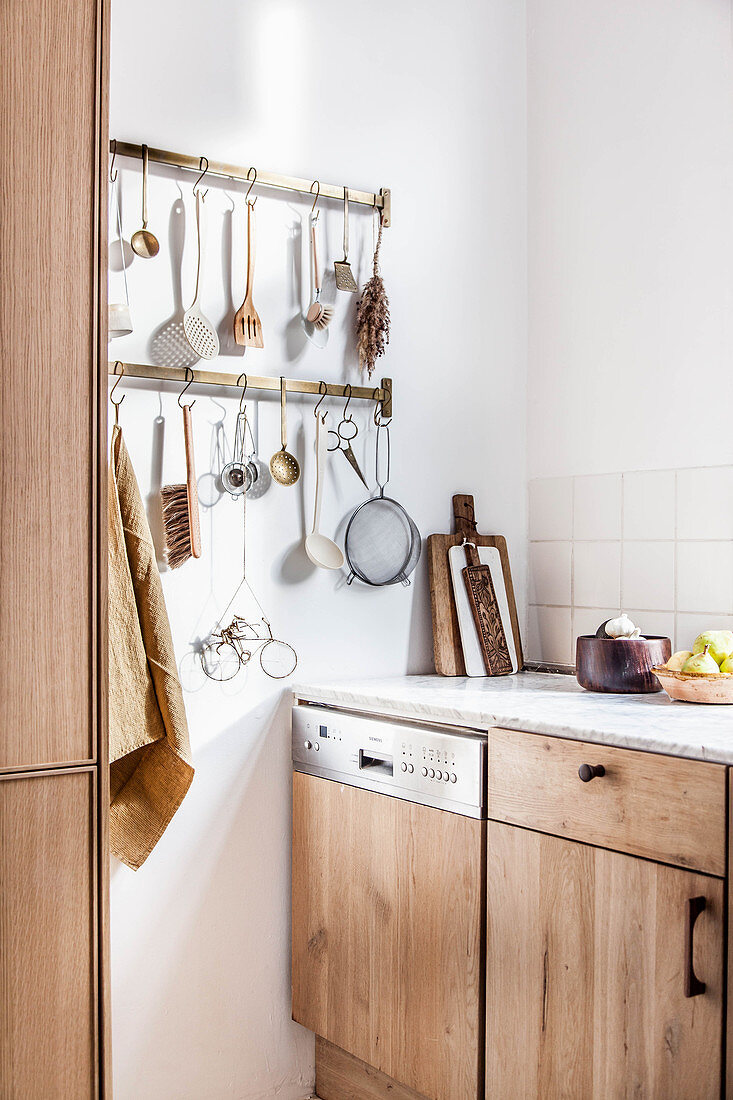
x,y
605,970
606,946
54,858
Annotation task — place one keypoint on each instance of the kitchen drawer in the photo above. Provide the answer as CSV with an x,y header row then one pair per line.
x,y
660,807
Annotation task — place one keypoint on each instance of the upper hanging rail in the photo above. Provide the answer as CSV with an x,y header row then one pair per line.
x,y
381,201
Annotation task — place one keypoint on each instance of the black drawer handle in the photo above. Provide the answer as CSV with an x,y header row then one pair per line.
x,y
694,907
590,771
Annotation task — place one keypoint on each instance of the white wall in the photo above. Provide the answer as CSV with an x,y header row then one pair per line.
x,y
630,230
429,101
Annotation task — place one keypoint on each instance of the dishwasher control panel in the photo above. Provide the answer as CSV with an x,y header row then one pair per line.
x,y
440,767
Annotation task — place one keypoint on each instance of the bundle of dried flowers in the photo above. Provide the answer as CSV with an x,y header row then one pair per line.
x,y
372,317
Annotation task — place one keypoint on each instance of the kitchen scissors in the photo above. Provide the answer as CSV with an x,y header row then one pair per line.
x,y
347,430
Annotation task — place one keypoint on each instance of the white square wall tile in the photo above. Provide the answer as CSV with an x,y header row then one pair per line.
x,y
705,503
705,577
549,572
549,636
551,508
597,507
597,574
689,626
649,504
661,623
647,576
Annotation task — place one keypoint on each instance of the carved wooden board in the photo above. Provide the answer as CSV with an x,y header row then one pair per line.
x,y
447,649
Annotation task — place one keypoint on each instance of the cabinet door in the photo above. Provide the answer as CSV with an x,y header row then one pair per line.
x,y
48,1006
586,974
53,96
387,934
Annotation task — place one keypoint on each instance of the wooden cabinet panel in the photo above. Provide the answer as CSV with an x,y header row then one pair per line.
x,y
659,807
51,83
388,903
48,961
341,1076
585,974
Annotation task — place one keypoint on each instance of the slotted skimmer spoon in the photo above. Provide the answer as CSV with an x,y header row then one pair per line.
x,y
284,467
200,332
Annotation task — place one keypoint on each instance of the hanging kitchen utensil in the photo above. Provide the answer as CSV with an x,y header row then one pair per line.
x,y
447,647
181,503
230,648
119,322
200,332
247,324
372,315
346,431
321,550
239,475
342,268
382,542
144,243
284,467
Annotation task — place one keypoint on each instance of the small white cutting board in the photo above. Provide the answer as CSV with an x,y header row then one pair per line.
x,y
473,659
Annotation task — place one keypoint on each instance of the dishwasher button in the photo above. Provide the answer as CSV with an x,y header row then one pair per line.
x,y
446,777
425,772
454,778
307,744
403,765
410,768
438,775
431,773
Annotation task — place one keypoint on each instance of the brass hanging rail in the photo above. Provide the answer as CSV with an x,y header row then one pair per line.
x,y
382,200
381,393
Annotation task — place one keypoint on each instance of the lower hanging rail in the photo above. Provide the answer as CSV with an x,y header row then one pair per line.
x,y
381,393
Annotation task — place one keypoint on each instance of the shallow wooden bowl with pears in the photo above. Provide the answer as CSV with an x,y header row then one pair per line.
x,y
703,674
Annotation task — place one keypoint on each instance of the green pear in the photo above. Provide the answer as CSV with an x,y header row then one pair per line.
x,y
719,643
727,665
677,660
701,664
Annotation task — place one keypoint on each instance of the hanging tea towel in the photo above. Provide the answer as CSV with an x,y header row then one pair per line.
x,y
150,754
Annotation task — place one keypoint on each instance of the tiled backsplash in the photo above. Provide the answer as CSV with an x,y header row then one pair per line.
x,y
656,544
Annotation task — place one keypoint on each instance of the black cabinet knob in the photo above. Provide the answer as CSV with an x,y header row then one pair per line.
x,y
590,771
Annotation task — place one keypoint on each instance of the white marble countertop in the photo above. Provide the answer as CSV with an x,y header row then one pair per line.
x,y
541,703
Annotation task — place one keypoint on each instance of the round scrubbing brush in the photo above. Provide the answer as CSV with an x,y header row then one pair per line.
x,y
318,314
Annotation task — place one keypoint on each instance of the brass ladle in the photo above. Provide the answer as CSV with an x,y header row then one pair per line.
x,y
144,243
284,467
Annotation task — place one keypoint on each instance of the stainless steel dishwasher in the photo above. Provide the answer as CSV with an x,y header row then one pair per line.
x,y
389,847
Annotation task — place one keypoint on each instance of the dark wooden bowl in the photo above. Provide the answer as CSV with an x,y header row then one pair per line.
x,y
622,667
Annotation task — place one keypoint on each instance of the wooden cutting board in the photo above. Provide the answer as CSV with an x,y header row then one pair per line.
x,y
446,635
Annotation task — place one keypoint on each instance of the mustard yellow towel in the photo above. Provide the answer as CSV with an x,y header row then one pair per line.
x,y
150,754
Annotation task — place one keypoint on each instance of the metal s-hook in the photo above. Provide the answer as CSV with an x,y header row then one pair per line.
x,y
323,390
347,395
316,183
239,383
254,181
112,173
111,392
380,421
204,167
188,383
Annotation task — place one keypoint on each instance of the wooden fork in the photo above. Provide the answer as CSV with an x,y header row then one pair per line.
x,y
247,324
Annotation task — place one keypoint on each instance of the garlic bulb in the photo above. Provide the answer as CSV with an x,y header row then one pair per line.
x,y
622,627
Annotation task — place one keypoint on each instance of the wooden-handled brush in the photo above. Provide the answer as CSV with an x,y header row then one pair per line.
x,y
181,508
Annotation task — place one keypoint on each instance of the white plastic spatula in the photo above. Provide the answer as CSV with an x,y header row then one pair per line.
x,y
200,332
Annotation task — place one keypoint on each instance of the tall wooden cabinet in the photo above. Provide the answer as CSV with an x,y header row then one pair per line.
x,y
53,773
